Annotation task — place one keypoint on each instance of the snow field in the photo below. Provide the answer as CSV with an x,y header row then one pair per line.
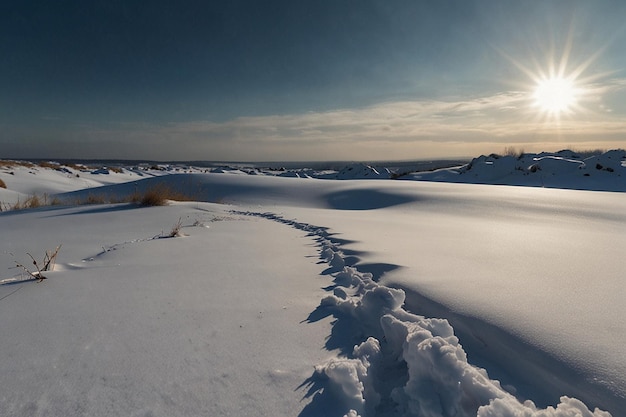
x,y
523,282
212,323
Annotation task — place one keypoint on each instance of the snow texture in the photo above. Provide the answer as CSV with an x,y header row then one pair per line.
x,y
438,381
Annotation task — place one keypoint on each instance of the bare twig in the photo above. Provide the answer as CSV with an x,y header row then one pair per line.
x,y
36,266
33,275
176,228
48,264
50,259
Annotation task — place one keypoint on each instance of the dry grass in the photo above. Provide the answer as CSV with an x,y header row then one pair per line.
x,y
11,164
33,201
96,199
46,164
159,195
512,151
76,167
175,232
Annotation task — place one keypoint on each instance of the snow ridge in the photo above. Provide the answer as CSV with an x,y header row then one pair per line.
x,y
403,364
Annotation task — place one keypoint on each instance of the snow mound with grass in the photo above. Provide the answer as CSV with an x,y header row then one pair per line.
x,y
563,169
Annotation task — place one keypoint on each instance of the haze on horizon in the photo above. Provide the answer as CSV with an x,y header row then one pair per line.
x,y
313,80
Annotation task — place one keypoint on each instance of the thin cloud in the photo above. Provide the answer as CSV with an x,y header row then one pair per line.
x,y
407,129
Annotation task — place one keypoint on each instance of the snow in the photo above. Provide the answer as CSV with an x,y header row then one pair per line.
x,y
563,169
362,171
150,326
295,295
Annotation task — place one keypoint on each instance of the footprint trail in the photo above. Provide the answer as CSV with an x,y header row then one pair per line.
x,y
395,363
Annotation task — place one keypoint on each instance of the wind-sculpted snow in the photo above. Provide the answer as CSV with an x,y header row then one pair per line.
x,y
403,364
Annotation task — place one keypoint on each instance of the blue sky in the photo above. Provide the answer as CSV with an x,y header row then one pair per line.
x,y
306,80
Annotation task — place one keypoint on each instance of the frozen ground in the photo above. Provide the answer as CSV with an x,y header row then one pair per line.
x,y
303,296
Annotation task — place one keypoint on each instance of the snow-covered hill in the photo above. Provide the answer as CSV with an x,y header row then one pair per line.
x,y
564,169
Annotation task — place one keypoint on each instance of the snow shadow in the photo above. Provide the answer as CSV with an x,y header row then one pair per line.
x,y
107,208
535,374
322,402
197,187
366,199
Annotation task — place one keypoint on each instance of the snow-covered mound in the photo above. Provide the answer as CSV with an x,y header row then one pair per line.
x,y
352,171
362,171
563,169
24,179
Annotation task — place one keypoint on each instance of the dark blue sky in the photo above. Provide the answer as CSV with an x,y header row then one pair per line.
x,y
296,79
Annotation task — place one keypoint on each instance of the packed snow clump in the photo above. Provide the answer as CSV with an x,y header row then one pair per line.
x,y
438,380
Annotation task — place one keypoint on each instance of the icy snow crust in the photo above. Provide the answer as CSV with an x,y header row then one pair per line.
x,y
427,299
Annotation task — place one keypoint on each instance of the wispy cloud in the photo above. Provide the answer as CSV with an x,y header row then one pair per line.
x,y
401,129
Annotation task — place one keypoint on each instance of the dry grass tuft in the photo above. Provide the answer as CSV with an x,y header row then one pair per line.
x,y
95,199
175,232
158,195
33,201
512,151
2,184
76,167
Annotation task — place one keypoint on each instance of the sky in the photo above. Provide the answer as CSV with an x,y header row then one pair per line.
x,y
285,80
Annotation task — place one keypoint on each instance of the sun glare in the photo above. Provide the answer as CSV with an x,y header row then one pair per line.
x,y
555,95
560,87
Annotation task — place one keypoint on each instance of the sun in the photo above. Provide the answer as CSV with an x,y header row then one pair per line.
x,y
555,95
560,88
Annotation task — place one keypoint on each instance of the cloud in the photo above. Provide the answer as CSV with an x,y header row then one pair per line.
x,y
389,130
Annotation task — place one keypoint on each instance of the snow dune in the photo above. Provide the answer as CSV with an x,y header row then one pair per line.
x,y
303,296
